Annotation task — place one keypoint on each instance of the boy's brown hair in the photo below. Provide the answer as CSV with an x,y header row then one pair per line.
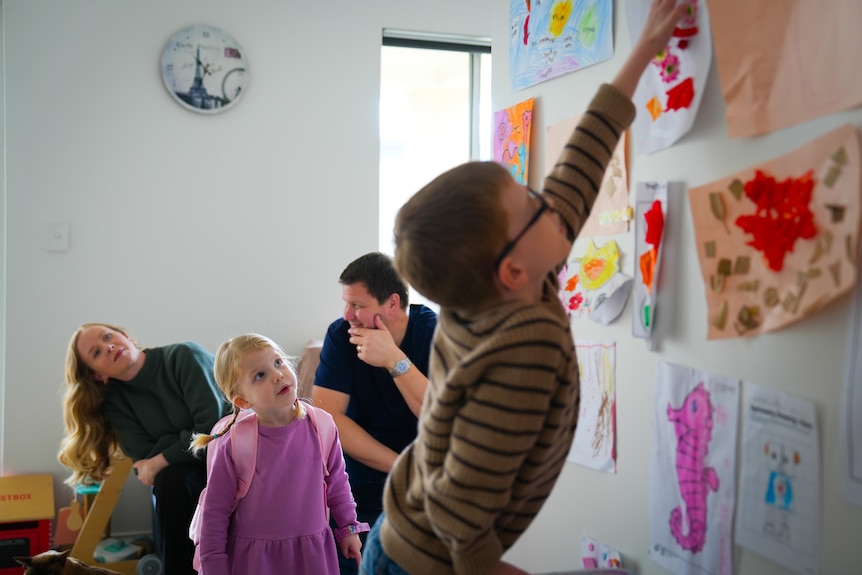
x,y
448,235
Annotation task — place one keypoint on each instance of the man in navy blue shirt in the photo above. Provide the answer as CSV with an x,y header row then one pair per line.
x,y
371,376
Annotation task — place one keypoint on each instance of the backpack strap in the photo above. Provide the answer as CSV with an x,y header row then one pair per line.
x,y
244,443
325,429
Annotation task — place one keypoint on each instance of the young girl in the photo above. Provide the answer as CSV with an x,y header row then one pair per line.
x,y
281,525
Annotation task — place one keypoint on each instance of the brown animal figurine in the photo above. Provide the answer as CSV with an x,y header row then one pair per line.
x,y
59,563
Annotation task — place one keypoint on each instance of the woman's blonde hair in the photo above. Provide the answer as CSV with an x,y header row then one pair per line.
x,y
228,360
91,445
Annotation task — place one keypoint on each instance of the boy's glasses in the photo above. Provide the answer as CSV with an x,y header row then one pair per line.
x,y
543,207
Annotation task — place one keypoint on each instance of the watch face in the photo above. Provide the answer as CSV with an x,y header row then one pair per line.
x,y
204,69
401,367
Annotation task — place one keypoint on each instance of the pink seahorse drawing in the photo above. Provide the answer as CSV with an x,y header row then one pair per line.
x,y
693,427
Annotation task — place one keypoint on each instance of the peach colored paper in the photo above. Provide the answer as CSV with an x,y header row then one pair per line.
x,y
744,296
781,63
611,213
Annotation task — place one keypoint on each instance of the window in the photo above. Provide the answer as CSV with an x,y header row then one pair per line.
x,y
435,113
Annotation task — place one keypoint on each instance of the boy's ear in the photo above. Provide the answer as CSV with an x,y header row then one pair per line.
x,y
512,275
241,403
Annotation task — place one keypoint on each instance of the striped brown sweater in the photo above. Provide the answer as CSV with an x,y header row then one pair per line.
x,y
502,402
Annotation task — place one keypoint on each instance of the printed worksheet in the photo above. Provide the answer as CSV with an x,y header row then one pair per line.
x,y
779,499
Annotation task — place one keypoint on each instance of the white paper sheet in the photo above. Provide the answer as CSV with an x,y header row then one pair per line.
x,y
595,436
600,294
669,92
645,297
850,426
779,499
693,470
596,555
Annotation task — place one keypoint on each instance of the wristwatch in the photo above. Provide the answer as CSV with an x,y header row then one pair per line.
x,y
401,367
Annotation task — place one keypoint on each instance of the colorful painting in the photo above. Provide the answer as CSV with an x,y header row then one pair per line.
x,y
692,470
650,216
512,139
611,213
781,63
549,38
778,241
669,92
592,284
594,444
779,491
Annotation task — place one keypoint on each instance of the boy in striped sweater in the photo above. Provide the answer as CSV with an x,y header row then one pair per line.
x,y
501,407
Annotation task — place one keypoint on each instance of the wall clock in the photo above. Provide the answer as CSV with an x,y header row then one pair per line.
x,y
204,69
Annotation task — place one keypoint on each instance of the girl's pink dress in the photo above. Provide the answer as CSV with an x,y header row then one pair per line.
x,y
280,527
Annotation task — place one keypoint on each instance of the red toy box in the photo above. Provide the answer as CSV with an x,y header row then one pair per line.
x,y
26,510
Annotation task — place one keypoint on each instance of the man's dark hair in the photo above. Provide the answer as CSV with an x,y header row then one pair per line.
x,y
377,272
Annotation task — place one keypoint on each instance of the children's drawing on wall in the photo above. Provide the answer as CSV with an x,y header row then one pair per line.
x,y
611,213
850,418
597,555
669,92
512,139
793,84
777,241
779,502
650,216
594,444
592,285
692,470
549,38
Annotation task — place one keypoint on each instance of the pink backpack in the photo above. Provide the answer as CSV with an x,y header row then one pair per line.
x,y
244,454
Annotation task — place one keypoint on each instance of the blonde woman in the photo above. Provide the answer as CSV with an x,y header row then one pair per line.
x,y
145,404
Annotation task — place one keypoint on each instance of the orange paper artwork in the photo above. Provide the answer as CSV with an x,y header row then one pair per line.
x,y
777,241
781,63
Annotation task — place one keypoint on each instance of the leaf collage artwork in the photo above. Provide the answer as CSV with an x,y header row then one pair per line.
x,y
778,241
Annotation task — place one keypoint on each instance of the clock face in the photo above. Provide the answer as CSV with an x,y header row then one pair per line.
x,y
204,69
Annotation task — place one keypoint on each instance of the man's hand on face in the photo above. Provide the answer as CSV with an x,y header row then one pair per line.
x,y
375,346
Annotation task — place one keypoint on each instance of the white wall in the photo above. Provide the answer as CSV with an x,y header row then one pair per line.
x,y
184,226
192,227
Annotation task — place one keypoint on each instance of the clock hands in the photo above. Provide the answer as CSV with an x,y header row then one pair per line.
x,y
205,67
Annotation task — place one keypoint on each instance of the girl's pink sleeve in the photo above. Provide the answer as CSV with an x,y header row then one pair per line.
x,y
217,510
339,498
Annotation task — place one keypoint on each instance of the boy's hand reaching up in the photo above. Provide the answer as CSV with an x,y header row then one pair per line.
x,y
661,21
